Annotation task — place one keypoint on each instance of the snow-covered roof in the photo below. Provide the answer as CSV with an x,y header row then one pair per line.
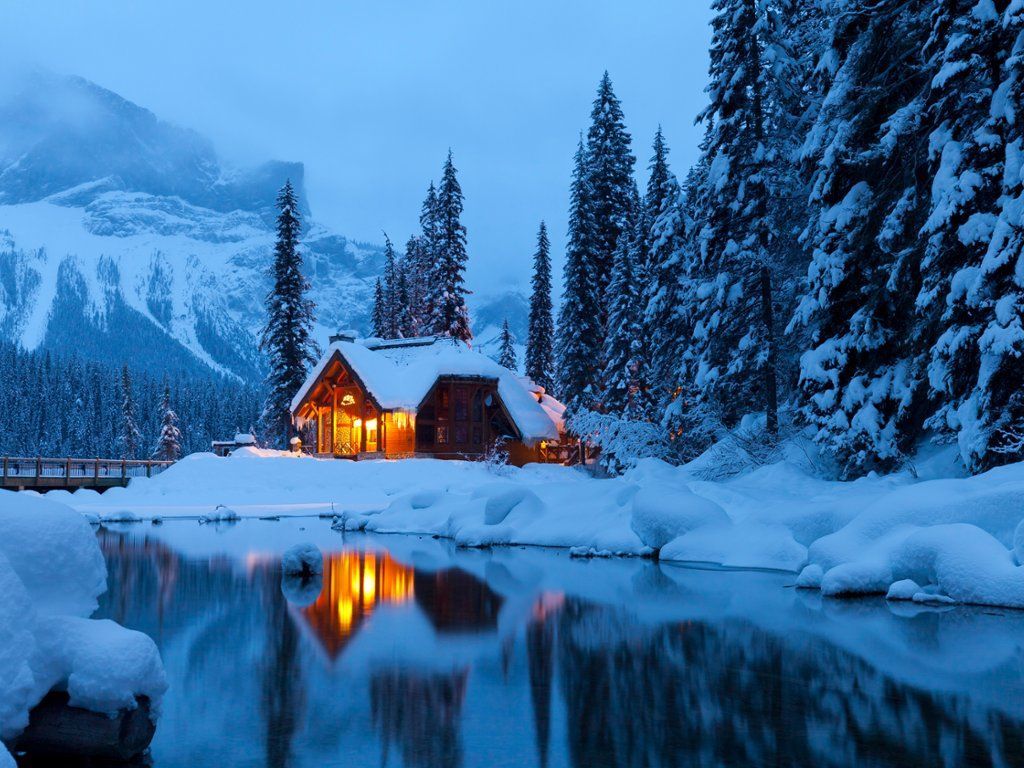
x,y
399,374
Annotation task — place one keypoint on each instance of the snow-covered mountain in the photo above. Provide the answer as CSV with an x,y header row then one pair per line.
x,y
123,237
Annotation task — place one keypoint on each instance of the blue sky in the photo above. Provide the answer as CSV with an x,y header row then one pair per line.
x,y
370,95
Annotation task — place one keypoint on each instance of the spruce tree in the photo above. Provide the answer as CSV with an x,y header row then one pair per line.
x,y
451,317
734,328
540,342
966,161
609,168
428,261
861,386
130,437
169,445
507,350
390,292
621,376
404,320
667,296
287,337
412,272
991,419
579,341
380,320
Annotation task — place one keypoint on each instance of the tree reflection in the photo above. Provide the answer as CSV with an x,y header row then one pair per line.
x,y
729,694
282,683
420,713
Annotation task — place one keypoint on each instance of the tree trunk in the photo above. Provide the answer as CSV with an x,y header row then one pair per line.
x,y
771,387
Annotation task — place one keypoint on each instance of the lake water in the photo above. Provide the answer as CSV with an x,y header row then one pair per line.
x,y
413,653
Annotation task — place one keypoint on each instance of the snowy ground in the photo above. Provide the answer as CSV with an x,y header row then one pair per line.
x,y
51,572
927,540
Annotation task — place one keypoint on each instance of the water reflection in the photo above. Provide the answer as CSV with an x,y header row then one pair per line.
x,y
430,657
355,584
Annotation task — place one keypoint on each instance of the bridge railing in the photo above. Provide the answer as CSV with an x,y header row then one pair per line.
x,y
77,471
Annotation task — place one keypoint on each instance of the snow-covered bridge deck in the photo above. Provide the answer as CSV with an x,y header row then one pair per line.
x,y
37,473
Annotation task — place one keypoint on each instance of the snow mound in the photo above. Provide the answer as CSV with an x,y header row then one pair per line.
x,y
662,513
303,560
810,577
51,573
958,561
503,499
103,665
220,514
121,516
1018,543
6,761
54,553
16,642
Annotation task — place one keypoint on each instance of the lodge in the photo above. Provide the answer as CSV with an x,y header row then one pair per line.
x,y
432,397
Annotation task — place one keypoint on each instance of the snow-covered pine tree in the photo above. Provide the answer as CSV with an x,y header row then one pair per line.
x,y
404,320
734,328
451,317
380,321
991,418
287,337
967,51
429,264
168,447
662,277
673,258
507,350
860,389
621,376
129,435
609,168
540,362
390,290
415,288
578,345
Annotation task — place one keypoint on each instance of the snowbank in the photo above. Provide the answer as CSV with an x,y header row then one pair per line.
x,y
956,538
51,573
303,560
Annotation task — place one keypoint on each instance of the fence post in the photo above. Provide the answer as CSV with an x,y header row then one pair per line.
x,y
124,471
5,470
149,469
67,472
39,467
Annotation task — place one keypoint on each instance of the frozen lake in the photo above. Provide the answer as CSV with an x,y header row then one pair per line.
x,y
413,653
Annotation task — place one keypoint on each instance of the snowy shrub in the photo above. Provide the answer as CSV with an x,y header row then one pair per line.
x,y
739,451
496,458
622,442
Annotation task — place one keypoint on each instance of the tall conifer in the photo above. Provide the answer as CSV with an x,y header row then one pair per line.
x,y
540,342
451,317
578,346
507,350
169,445
287,337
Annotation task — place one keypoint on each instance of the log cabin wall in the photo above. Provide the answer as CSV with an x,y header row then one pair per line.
x,y
399,434
455,418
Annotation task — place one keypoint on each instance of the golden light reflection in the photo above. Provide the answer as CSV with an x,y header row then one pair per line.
x,y
355,583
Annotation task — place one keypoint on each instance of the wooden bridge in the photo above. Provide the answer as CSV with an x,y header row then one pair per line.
x,y
39,474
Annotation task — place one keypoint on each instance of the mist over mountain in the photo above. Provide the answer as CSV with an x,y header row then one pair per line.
x,y
123,237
